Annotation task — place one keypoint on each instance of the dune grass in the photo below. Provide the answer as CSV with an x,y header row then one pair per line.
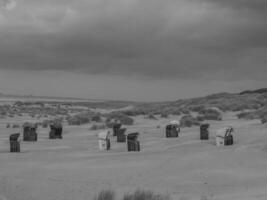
x,y
144,195
105,195
138,194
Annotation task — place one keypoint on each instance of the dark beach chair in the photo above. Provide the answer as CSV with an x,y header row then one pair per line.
x,y
29,132
204,131
132,142
172,130
14,143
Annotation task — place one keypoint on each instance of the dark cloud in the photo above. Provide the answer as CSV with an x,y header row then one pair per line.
x,y
172,38
257,5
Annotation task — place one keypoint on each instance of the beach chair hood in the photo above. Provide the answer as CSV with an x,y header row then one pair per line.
x,y
104,135
223,132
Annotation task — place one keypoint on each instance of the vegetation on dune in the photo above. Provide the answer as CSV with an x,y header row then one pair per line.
x,y
79,119
31,109
15,126
247,115
145,195
99,104
135,195
164,115
118,116
259,91
222,101
210,114
264,119
45,123
95,127
151,116
188,121
258,114
76,120
105,195
78,113
200,118
96,118
74,113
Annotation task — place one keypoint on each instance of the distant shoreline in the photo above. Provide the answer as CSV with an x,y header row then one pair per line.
x,y
48,99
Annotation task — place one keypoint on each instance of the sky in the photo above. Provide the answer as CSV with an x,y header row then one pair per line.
x,y
143,50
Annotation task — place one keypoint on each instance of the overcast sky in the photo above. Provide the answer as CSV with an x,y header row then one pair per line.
x,y
132,49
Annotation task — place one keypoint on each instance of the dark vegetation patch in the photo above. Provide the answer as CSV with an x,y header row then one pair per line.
x,y
96,118
258,114
164,115
81,118
105,195
95,127
145,195
78,113
112,117
188,121
151,116
259,91
211,114
222,101
135,195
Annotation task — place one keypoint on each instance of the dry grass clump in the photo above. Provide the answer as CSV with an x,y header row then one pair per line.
x,y
196,108
145,195
151,116
136,195
200,118
96,118
211,113
4,113
118,116
264,119
15,126
153,108
212,116
76,120
258,114
79,119
105,195
164,115
95,127
188,121
4,109
185,111
134,112
247,115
